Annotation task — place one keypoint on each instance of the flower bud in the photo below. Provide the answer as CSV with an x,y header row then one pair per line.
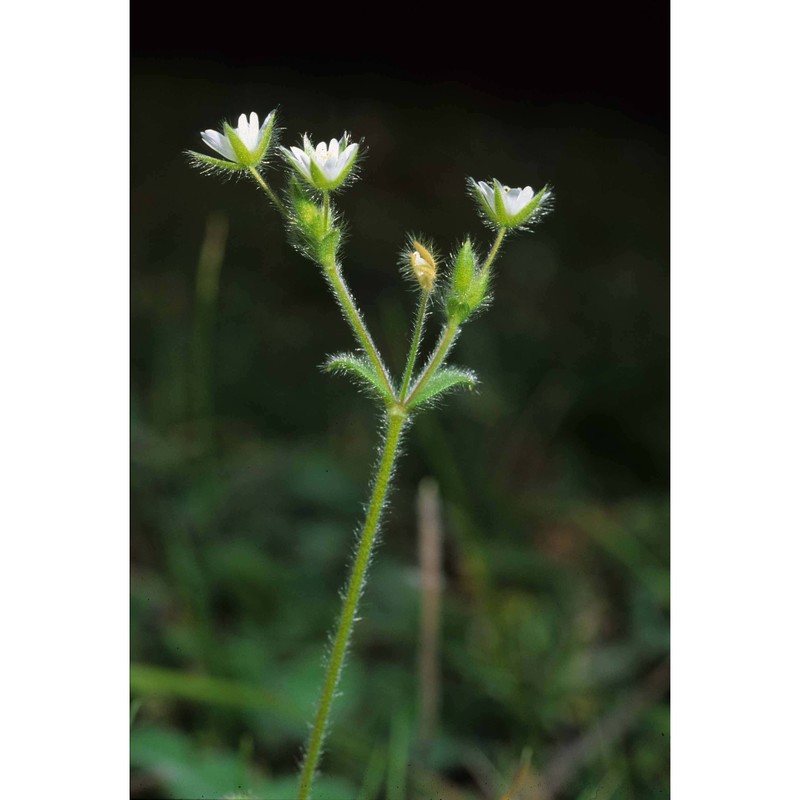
x,y
422,265
463,269
308,214
468,285
328,247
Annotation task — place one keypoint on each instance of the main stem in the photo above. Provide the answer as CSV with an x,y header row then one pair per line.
x,y
355,586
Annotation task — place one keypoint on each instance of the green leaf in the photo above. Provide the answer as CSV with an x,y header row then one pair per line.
x,y
361,369
444,380
184,769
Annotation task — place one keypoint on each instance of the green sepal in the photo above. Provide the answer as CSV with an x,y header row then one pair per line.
x,y
308,214
444,380
362,370
318,179
209,163
243,155
529,210
457,310
500,215
477,291
266,138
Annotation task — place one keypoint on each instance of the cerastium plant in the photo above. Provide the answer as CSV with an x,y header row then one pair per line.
x,y
314,226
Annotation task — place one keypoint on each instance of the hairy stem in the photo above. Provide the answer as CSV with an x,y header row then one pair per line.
x,y
355,586
271,194
334,275
415,339
449,333
326,209
494,251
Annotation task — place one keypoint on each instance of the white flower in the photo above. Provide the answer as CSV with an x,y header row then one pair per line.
x,y
244,146
508,207
325,166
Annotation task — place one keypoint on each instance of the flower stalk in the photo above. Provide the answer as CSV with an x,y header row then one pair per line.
x,y
494,251
268,189
413,351
446,339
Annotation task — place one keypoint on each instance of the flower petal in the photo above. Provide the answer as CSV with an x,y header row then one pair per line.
x,y
216,141
299,160
349,152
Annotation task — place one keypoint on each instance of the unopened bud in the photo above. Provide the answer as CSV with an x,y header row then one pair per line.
x,y
422,265
468,285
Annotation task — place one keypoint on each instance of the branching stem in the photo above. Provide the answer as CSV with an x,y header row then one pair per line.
x,y
448,335
413,351
334,275
270,193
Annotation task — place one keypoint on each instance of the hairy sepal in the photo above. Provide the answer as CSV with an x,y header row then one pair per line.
x,y
308,223
243,155
266,141
534,211
209,164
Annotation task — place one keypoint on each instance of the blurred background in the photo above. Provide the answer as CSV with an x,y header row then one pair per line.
x,y
539,668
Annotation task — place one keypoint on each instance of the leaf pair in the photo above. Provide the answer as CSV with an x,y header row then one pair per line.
x,y
444,380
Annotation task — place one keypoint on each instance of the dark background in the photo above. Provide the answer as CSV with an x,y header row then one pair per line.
x,y
250,465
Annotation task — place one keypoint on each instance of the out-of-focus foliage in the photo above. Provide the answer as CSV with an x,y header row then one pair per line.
x,y
250,464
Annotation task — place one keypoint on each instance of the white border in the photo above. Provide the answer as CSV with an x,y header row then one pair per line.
x,y
735,401
64,339
64,405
